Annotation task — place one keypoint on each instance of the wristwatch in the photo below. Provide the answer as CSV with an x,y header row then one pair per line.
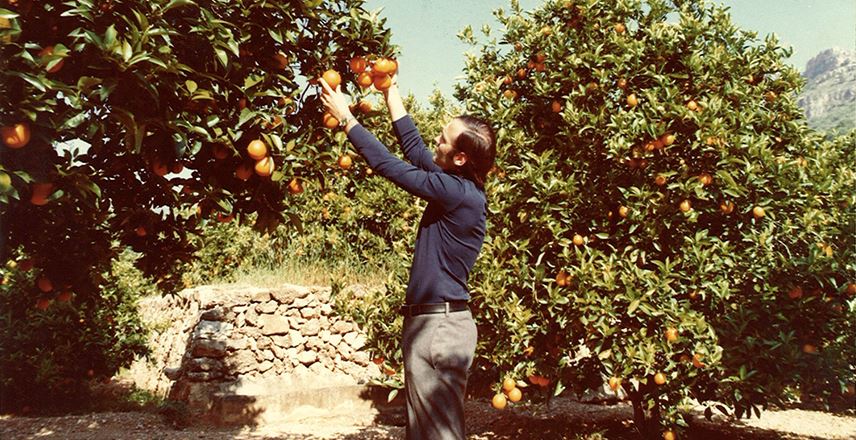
x,y
344,122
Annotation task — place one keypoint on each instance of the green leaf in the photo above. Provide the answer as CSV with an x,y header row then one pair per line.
x,y
177,4
222,57
191,86
5,13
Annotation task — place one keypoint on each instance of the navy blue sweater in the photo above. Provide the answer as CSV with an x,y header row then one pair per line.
x,y
451,232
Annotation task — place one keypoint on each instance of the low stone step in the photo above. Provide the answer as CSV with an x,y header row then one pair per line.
x,y
257,409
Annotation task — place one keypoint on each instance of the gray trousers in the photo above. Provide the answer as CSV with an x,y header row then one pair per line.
x,y
438,351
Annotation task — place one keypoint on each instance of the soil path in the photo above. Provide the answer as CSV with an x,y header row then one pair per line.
x,y
564,419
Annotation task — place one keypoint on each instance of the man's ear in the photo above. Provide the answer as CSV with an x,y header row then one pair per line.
x,y
460,159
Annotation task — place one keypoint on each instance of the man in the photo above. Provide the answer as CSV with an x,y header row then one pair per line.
x,y
439,337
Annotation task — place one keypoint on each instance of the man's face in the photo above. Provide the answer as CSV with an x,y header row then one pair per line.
x,y
445,156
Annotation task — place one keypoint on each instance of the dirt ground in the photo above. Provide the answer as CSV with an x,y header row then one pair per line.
x,y
564,419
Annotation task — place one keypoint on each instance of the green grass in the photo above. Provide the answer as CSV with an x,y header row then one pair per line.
x,y
304,273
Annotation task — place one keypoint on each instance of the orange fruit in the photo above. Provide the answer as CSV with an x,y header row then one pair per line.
x,y
257,149
332,78
365,106
510,94
15,136
507,80
851,289
378,360
364,80
623,211
40,193
244,171
330,121
515,395
220,151
265,166
659,378
382,82
508,384
620,28
694,294
540,57
44,283
850,391
692,106
521,73
758,212
141,231
671,334
47,51
499,401
770,96
43,304
518,46
660,180
242,103
614,383
159,168
697,360
294,186
809,348
563,279
795,293
280,61
726,207
685,206
358,65
546,31
578,240
632,101
384,66
64,296
345,162
222,218
556,106
705,179
669,435
622,83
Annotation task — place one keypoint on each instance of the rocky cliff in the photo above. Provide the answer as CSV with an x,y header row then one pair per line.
x,y
829,97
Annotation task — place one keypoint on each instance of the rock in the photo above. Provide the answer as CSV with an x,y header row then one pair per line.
x,y
309,312
303,302
355,340
172,373
326,309
268,355
215,314
252,317
334,340
361,358
310,328
324,334
307,357
296,322
264,366
281,341
204,376
342,327
209,348
212,329
267,307
261,296
288,293
237,344
205,364
273,325
296,338
241,361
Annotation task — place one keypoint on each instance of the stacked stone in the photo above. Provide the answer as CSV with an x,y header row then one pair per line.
x,y
209,338
283,331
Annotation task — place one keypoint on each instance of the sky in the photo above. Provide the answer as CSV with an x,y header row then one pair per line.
x,y
432,56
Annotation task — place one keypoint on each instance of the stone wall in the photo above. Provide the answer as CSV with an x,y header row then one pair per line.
x,y
225,342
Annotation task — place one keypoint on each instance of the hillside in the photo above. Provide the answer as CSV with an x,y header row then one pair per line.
x,y
829,97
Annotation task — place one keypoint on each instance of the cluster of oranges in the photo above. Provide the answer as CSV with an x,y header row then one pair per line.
x,y
258,151
509,392
377,72
17,136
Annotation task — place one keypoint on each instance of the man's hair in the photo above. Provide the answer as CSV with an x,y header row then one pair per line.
x,y
478,142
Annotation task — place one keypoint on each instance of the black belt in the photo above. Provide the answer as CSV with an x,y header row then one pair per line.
x,y
421,309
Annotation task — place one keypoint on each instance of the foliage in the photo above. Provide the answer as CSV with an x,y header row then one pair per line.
x,y
656,173
54,347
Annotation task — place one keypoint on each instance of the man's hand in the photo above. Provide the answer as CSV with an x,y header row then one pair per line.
x,y
335,101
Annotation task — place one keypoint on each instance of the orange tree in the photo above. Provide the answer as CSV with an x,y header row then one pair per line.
x,y
660,214
125,124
